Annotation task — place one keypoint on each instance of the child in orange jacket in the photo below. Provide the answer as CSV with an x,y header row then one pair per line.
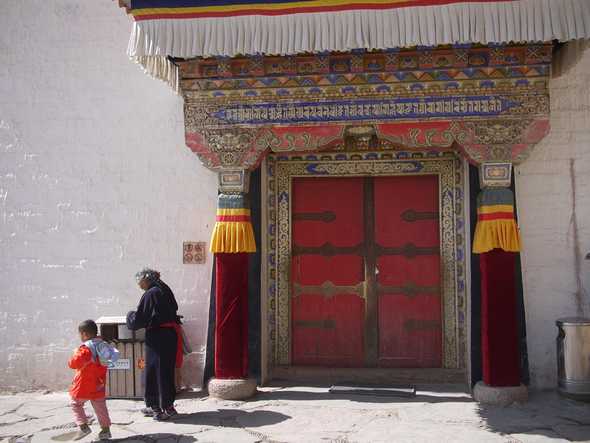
x,y
90,362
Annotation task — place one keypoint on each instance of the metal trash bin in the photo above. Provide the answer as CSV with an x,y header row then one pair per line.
x,y
126,379
573,357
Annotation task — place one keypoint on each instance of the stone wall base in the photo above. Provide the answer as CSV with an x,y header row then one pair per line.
x,y
232,389
499,396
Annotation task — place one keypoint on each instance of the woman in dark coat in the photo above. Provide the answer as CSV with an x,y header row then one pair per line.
x,y
156,313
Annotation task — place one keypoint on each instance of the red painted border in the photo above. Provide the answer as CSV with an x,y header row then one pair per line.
x,y
232,218
496,216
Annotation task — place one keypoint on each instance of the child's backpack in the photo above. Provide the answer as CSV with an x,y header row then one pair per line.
x,y
103,352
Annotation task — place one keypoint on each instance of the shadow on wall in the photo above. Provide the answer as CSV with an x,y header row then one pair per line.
x,y
546,415
566,56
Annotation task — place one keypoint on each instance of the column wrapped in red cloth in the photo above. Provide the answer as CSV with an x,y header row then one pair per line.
x,y
499,324
231,313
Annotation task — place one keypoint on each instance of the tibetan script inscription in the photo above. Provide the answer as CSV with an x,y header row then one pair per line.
x,y
391,109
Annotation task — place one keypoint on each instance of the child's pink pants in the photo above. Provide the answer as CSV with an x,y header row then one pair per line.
x,y
100,409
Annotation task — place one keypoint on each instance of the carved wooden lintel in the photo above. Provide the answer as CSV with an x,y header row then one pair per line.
x,y
490,103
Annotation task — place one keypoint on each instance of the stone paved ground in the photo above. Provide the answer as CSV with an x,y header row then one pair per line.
x,y
310,414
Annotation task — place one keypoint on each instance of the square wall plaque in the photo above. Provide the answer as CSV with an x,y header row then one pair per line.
x,y
193,253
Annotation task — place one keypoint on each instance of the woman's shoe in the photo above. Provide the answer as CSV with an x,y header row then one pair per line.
x,y
170,411
161,416
150,412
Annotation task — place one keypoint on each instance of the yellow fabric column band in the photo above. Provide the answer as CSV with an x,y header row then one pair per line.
x,y
496,226
233,231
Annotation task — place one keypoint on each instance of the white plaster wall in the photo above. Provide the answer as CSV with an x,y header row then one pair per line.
x,y
95,182
553,199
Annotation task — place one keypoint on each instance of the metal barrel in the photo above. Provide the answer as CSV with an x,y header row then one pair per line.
x,y
573,357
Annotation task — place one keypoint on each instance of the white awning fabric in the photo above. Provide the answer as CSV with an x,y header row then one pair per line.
x,y
485,22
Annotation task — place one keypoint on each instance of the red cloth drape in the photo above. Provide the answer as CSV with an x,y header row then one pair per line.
x,y
231,315
499,325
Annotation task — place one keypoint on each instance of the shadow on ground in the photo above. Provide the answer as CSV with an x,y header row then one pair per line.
x,y
190,394
546,414
438,395
155,438
143,438
231,418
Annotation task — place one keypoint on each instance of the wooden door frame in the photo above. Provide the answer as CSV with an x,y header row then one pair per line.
x,y
279,171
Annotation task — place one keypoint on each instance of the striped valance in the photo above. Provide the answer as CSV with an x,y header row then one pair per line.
x,y
233,232
158,9
192,28
496,226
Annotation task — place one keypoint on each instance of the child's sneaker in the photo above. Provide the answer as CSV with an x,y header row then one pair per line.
x,y
104,434
82,432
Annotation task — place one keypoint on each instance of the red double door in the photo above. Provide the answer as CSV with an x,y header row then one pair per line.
x,y
366,272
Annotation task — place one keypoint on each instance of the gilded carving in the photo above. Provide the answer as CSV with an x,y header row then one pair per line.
x,y
497,131
361,137
233,148
298,140
424,138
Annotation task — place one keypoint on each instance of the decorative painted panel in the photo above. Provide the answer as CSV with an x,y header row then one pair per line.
x,y
492,101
